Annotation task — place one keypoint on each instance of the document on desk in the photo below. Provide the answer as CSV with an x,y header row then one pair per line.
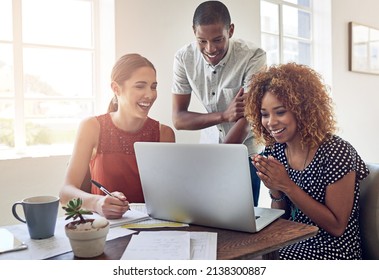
x,y
171,245
49,247
151,222
131,216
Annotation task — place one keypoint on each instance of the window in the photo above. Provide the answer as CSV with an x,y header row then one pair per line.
x,y
287,31
49,58
298,31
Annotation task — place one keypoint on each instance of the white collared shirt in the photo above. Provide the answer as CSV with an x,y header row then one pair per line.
x,y
216,86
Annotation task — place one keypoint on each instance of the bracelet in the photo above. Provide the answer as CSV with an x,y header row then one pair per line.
x,y
276,199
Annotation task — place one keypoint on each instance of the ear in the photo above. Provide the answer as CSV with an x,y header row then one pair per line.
x,y
115,88
194,29
231,30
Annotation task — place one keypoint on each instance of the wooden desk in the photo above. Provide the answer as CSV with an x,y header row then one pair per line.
x,y
230,244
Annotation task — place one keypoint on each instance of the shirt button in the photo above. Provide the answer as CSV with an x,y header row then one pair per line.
x,y
214,72
213,93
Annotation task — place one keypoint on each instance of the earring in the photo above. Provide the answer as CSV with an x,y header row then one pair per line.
x,y
114,99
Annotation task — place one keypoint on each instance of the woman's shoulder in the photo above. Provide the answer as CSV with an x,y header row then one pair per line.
x,y
335,143
167,134
339,153
89,121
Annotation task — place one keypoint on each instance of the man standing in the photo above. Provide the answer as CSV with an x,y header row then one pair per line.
x,y
217,69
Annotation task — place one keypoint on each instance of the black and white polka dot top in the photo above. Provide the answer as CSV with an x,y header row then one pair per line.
x,y
334,159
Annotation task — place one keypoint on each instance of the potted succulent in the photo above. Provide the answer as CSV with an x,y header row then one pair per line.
x,y
87,236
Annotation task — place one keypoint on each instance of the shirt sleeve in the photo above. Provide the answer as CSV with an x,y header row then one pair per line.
x,y
341,158
257,63
180,84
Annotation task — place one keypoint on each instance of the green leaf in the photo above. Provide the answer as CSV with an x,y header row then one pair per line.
x,y
73,210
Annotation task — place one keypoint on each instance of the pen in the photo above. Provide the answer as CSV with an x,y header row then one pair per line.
x,y
102,188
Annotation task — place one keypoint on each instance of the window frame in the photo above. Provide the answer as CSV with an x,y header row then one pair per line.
x,y
321,38
281,36
103,53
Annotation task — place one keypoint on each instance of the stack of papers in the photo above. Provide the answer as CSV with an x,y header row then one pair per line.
x,y
172,245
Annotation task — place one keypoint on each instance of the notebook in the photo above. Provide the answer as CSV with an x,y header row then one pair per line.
x,y
203,184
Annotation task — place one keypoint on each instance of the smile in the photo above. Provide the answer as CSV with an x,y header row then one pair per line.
x,y
275,132
211,55
144,104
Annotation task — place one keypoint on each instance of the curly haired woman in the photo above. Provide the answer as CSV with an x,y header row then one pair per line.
x,y
310,172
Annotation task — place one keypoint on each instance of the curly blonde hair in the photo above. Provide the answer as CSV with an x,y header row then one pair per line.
x,y
302,92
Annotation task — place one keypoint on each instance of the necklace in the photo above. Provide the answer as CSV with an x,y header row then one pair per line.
x,y
299,181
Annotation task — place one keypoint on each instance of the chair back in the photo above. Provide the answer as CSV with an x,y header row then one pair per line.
x,y
369,213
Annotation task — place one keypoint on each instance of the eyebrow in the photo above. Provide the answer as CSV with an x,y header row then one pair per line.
x,y
216,38
144,82
275,108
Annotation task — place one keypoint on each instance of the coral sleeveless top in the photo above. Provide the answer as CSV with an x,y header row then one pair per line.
x,y
114,164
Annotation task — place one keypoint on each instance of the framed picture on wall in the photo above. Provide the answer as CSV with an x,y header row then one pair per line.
x,y
363,48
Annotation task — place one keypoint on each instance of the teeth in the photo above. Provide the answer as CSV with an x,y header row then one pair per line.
x,y
276,131
144,104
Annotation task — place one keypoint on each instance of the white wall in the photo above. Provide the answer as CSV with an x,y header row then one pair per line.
x,y
21,178
157,28
356,95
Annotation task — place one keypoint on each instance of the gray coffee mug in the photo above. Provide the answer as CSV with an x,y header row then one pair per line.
x,y
40,215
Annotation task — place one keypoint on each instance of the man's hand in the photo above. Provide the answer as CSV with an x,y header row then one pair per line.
x,y
236,108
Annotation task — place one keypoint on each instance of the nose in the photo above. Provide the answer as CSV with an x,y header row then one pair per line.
x,y
210,47
150,93
271,121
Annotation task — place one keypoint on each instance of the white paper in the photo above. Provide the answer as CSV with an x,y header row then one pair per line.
x,y
162,245
131,216
172,245
49,247
203,245
151,222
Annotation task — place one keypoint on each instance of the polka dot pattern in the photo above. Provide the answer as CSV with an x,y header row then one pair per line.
x,y
333,160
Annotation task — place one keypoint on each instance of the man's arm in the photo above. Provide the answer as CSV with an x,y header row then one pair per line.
x,y
184,119
238,132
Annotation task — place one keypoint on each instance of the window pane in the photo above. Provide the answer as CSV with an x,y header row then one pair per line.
x,y
296,51
270,43
57,73
305,3
6,20
54,122
6,71
270,17
46,132
6,124
50,109
58,22
374,56
296,23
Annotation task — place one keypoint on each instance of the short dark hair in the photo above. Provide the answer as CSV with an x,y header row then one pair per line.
x,y
211,12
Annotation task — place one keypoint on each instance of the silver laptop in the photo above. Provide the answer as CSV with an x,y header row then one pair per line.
x,y
203,184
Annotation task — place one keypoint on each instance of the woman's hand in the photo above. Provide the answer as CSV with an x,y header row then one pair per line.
x,y
272,172
112,207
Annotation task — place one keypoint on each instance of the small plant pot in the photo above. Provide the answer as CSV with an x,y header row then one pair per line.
x,y
86,243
